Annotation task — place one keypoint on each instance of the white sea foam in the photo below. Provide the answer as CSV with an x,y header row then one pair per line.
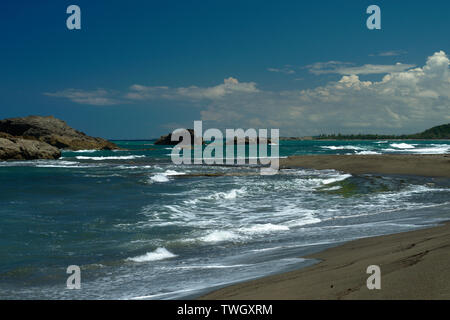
x,y
212,266
57,163
159,177
102,175
268,171
164,294
342,147
436,149
191,201
307,184
305,221
158,254
266,249
109,158
367,152
263,228
163,176
62,164
293,246
232,194
219,236
336,179
140,241
305,217
45,164
126,167
173,173
426,149
362,150
402,146
173,208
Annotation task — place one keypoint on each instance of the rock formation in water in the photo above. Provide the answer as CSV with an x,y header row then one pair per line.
x,y
167,139
12,148
36,137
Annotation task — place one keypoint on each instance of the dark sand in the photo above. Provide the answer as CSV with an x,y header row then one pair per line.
x,y
405,164
414,265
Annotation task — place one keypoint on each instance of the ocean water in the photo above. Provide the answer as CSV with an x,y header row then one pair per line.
x,y
141,227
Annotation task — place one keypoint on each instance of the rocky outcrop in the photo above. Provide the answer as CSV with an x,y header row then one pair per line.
x,y
36,137
167,139
53,131
21,149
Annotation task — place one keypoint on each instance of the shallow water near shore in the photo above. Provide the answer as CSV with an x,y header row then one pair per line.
x,y
141,227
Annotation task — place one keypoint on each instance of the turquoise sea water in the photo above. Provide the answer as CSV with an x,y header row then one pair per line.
x,y
141,227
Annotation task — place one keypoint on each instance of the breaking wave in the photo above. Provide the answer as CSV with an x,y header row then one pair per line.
x,y
402,146
219,236
108,158
342,147
158,254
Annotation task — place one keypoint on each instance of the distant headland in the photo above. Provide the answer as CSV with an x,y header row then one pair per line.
x,y
437,132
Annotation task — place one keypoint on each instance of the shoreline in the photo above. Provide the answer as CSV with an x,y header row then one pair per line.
x,y
427,165
414,265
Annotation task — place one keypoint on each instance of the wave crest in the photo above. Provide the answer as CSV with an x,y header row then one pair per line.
x,y
158,254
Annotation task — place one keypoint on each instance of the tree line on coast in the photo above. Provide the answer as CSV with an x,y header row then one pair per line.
x,y
437,132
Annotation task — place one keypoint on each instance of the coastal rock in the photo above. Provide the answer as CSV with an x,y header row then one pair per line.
x,y
21,149
167,139
54,132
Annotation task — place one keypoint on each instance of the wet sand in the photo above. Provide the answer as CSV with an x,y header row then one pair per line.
x,y
406,164
414,265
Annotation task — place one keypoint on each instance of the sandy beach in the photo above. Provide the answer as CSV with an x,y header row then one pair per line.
x,y
433,165
414,265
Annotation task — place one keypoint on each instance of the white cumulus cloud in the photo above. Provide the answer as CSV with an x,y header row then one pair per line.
x,y
403,101
407,99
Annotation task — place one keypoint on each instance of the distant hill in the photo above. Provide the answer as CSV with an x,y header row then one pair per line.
x,y
438,132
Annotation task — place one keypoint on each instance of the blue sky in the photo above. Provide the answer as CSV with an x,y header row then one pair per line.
x,y
138,69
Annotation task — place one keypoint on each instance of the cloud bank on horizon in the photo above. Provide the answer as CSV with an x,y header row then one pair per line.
x,y
406,98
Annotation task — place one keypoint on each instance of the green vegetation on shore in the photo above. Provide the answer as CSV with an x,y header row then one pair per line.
x,y
438,132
